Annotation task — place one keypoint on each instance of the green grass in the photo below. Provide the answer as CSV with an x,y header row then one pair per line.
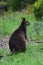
x,y
32,56
11,21
34,53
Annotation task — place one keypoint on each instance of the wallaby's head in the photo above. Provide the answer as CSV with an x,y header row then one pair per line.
x,y
25,22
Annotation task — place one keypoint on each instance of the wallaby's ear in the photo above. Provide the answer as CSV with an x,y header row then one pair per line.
x,y
22,18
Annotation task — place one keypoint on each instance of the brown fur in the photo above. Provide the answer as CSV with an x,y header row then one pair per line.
x,y
17,40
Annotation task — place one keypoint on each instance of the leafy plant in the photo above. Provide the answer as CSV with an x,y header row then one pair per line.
x,y
38,9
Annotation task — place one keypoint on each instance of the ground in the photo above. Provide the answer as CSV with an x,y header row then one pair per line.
x,y
4,42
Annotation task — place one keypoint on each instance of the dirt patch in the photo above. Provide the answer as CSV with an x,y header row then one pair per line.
x,y
4,42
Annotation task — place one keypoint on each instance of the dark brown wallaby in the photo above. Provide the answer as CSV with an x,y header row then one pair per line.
x,y
17,41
